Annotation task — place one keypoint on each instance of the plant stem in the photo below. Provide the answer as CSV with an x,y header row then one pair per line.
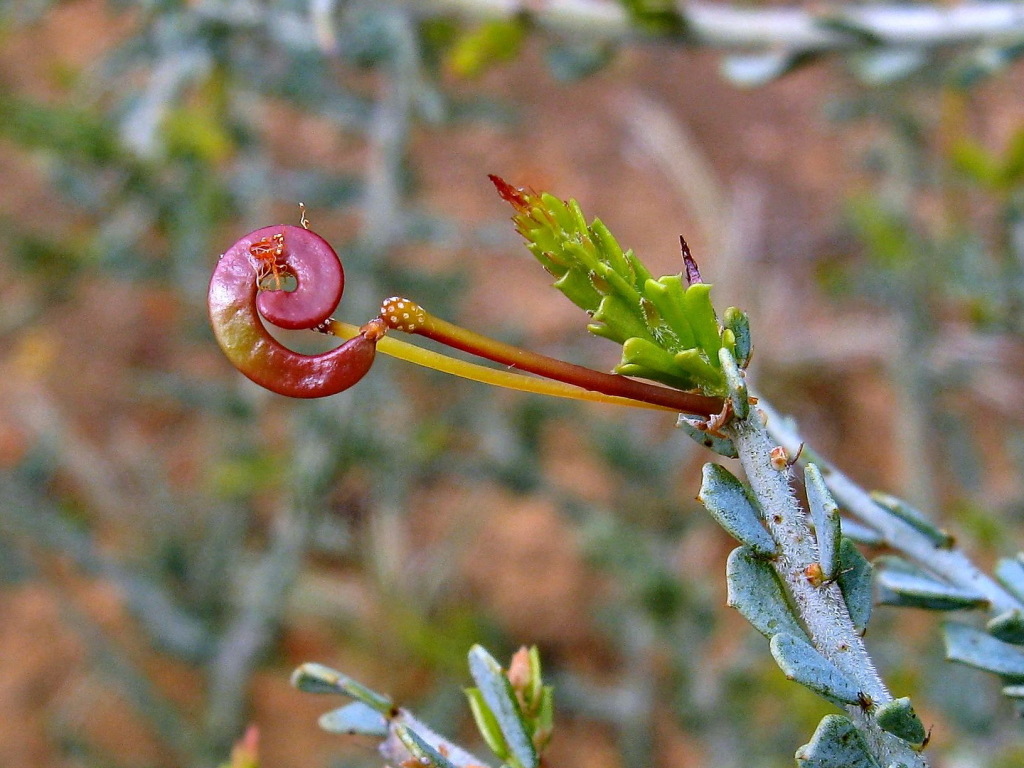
x,y
821,608
951,564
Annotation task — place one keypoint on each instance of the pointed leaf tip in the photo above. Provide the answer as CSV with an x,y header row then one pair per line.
x,y
1008,626
913,517
513,195
689,263
901,584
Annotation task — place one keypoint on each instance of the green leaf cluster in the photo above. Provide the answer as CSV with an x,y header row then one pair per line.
x,y
669,331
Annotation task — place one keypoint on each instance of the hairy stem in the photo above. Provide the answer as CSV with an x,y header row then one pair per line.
x,y
951,564
821,608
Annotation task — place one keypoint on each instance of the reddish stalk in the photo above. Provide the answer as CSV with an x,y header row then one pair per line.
x,y
405,315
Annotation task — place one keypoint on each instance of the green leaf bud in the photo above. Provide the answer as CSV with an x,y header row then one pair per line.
x,y
736,320
592,269
497,693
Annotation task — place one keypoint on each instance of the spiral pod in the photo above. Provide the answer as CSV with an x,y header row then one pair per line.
x,y
238,306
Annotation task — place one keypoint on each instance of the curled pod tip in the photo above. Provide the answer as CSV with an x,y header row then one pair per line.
x,y
236,303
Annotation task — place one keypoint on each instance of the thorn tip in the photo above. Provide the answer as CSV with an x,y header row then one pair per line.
x,y
692,270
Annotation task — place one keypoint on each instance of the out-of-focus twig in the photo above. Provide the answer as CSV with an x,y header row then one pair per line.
x,y
94,476
821,28
730,220
677,154
252,630
169,626
389,129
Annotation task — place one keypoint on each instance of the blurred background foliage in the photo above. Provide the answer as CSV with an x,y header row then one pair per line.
x,y
173,541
